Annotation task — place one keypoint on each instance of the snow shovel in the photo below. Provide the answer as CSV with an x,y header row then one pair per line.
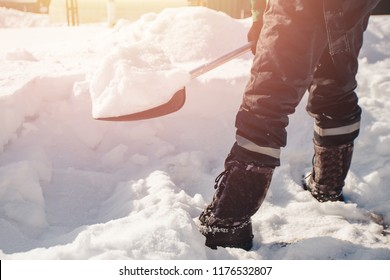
x,y
178,99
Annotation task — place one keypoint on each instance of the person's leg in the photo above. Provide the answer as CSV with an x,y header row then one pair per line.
x,y
290,45
333,101
334,105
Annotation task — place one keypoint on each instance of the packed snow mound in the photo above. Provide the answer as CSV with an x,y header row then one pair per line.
x,y
72,187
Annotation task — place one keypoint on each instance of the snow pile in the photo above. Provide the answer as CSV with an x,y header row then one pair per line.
x,y
119,89
155,200
10,18
184,34
72,187
146,53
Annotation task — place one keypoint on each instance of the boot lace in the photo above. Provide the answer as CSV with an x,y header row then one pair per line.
x,y
221,178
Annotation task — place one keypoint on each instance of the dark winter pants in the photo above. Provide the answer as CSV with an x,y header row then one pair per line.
x,y
304,45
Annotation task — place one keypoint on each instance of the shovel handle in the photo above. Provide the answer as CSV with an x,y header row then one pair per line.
x,y
221,60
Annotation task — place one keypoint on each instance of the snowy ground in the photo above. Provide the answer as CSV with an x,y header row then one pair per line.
x,y
72,187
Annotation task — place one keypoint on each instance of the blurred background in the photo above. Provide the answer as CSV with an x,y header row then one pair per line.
x,y
89,11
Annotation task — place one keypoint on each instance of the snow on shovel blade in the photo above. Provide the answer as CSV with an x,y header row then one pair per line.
x,y
174,104
177,100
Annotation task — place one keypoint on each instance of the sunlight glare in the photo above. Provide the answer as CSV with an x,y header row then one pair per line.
x,y
96,10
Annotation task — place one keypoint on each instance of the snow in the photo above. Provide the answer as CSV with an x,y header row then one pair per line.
x,y
118,88
72,187
148,50
14,18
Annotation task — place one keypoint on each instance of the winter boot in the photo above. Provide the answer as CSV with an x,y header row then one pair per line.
x,y
240,190
330,167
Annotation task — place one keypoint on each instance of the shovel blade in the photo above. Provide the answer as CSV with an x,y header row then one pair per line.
x,y
178,99
174,104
